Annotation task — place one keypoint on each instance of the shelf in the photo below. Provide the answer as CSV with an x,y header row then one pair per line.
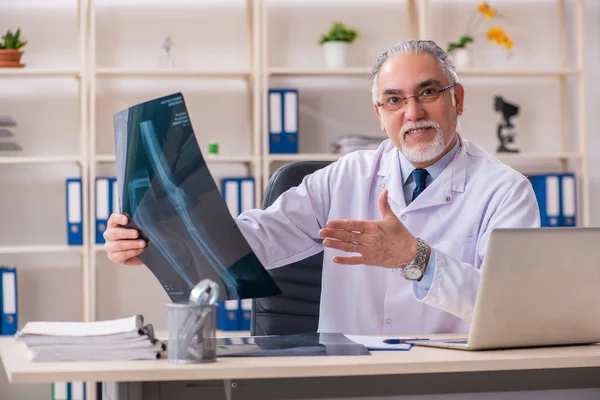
x,y
505,157
349,71
39,160
39,249
525,157
28,72
109,158
467,73
508,73
303,157
174,73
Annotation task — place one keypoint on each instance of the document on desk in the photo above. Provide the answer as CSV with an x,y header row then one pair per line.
x,y
169,195
379,342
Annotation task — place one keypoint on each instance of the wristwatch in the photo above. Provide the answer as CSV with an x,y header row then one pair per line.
x,y
415,269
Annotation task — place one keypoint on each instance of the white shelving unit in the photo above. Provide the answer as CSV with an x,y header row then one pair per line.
x,y
256,76
78,73
561,73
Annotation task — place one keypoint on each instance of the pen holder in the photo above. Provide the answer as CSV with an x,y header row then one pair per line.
x,y
192,333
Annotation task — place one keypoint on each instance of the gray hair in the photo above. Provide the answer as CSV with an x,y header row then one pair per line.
x,y
415,47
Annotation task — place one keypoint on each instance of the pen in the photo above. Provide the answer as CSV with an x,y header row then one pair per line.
x,y
398,341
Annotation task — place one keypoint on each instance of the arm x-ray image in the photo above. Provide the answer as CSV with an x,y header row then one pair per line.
x,y
171,198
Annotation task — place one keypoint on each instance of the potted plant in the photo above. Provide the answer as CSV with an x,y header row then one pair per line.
x,y
335,44
10,49
460,51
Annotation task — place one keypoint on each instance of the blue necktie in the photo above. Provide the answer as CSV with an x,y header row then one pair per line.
x,y
419,176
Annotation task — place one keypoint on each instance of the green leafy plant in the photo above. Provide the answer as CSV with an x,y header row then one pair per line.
x,y
338,32
12,41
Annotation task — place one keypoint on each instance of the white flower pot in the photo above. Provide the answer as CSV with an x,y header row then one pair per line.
x,y
462,58
335,54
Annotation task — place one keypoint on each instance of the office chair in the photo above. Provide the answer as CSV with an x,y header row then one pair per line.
x,y
296,310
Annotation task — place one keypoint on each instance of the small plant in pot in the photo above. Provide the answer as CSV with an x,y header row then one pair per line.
x,y
335,44
10,49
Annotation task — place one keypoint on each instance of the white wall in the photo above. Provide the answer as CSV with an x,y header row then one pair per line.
x,y
212,33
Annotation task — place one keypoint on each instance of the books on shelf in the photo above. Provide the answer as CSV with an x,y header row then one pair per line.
x,y
111,340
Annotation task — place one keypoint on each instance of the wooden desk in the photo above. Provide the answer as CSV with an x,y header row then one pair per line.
x,y
453,371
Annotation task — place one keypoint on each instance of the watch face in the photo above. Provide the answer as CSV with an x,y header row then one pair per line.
x,y
412,273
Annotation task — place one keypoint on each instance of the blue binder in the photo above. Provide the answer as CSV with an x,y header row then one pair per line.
x,y
228,315
557,198
283,121
238,194
239,197
74,211
568,202
8,301
103,198
245,314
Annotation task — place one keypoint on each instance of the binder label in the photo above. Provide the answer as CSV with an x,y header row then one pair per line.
x,y
74,204
9,295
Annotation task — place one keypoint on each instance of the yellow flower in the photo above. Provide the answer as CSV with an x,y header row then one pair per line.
x,y
484,7
490,13
508,44
487,11
495,34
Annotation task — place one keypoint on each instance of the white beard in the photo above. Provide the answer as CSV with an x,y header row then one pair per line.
x,y
432,149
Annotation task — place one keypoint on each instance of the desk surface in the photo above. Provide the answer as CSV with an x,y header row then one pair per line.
x,y
418,360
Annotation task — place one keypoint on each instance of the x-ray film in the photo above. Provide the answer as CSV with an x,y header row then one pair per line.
x,y
171,198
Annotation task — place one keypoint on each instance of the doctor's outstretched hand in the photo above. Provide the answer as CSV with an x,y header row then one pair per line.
x,y
123,245
384,243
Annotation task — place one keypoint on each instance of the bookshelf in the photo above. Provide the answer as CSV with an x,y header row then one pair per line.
x,y
256,74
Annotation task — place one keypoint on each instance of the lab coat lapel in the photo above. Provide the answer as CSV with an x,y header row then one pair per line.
x,y
392,181
440,192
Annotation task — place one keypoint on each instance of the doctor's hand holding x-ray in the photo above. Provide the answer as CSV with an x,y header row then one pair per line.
x,y
123,245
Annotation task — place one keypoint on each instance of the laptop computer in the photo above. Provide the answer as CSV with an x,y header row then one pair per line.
x,y
539,287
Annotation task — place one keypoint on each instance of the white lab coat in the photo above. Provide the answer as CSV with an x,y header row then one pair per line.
x,y
455,215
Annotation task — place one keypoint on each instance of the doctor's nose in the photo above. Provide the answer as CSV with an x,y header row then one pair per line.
x,y
414,110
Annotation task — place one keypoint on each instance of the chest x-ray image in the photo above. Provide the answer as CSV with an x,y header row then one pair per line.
x,y
171,198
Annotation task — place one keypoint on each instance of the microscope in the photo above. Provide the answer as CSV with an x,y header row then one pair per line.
x,y
506,131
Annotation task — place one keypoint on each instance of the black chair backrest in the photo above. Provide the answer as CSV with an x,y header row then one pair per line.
x,y
296,310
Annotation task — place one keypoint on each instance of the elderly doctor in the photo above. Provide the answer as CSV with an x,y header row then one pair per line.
x,y
404,227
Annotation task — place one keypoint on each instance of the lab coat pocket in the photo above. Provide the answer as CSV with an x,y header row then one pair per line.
x,y
460,248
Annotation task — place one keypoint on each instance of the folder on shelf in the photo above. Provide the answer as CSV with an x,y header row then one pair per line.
x,y
239,197
61,391
275,122
290,121
556,196
228,315
238,194
568,200
115,196
245,314
68,391
283,121
102,207
8,301
74,211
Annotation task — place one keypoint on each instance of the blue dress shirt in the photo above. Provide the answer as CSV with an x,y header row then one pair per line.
x,y
435,169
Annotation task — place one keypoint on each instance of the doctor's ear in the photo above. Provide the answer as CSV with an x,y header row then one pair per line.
x,y
459,99
378,113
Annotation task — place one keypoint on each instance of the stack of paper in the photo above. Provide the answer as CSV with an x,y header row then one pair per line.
x,y
348,143
113,340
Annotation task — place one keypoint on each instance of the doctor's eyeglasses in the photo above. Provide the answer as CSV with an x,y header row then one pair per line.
x,y
425,95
